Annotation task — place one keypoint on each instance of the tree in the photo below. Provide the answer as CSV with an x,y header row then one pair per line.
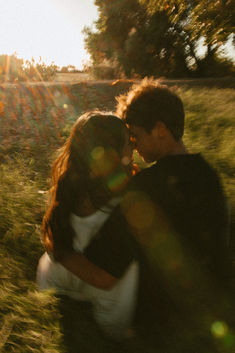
x,y
68,68
138,41
107,43
211,20
156,37
64,69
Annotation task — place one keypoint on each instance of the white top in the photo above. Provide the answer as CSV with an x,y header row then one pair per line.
x,y
113,309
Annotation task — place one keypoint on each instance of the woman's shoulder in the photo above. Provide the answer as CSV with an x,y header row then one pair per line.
x,y
98,214
86,228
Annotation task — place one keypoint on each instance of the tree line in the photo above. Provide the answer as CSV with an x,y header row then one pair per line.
x,y
161,38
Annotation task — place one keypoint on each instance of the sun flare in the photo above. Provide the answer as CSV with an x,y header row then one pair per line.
x,y
49,29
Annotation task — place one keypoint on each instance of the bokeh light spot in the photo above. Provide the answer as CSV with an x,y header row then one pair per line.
x,y
117,181
141,214
65,106
126,160
219,329
103,161
97,153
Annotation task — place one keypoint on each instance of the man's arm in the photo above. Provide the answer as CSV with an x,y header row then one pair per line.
x,y
107,257
114,248
80,266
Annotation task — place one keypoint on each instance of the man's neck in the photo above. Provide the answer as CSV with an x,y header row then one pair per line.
x,y
173,148
177,148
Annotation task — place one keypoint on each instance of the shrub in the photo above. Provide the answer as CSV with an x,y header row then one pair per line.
x,y
39,71
13,69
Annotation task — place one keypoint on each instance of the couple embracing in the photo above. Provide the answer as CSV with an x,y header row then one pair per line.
x,y
143,249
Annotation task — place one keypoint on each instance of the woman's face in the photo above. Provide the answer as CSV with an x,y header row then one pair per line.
x,y
127,152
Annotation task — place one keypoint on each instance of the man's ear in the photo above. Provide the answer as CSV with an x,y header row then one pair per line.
x,y
160,129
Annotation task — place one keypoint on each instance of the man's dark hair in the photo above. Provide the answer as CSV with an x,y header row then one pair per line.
x,y
148,102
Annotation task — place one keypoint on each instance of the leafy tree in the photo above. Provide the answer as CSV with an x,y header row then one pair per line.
x,y
64,69
71,68
107,43
157,37
215,20
68,68
138,40
195,19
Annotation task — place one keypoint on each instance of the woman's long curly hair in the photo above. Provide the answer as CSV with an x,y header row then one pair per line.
x,y
88,162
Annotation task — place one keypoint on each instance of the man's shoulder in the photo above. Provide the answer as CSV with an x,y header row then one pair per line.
x,y
154,175
147,172
184,168
145,177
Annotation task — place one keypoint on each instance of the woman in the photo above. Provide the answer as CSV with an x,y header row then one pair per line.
x,y
88,178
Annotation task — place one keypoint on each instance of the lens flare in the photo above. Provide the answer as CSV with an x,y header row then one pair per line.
x,y
117,182
219,329
103,162
141,214
126,160
97,153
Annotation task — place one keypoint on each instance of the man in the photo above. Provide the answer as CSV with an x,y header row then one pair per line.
x,y
181,186
176,212
176,208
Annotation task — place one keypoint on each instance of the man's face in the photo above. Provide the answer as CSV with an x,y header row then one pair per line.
x,y
146,144
127,152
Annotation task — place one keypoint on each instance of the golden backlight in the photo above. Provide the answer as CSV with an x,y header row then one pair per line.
x,y
47,28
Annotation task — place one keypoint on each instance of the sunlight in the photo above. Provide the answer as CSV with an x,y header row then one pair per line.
x,y
34,29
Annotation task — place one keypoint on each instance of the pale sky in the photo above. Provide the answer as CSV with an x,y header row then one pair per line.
x,y
47,28
51,29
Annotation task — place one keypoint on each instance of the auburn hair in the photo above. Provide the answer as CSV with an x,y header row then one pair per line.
x,y
92,152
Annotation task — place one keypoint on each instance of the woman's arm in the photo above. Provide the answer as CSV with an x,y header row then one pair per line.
x,y
80,266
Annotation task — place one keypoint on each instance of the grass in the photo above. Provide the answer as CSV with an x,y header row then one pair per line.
x,y
34,121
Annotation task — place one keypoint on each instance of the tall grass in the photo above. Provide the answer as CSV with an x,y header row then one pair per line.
x,y
29,320
31,129
210,128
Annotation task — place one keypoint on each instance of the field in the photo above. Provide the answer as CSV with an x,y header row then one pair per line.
x,y
34,121
71,77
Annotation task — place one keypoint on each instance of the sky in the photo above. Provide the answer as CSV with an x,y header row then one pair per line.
x,y
51,29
